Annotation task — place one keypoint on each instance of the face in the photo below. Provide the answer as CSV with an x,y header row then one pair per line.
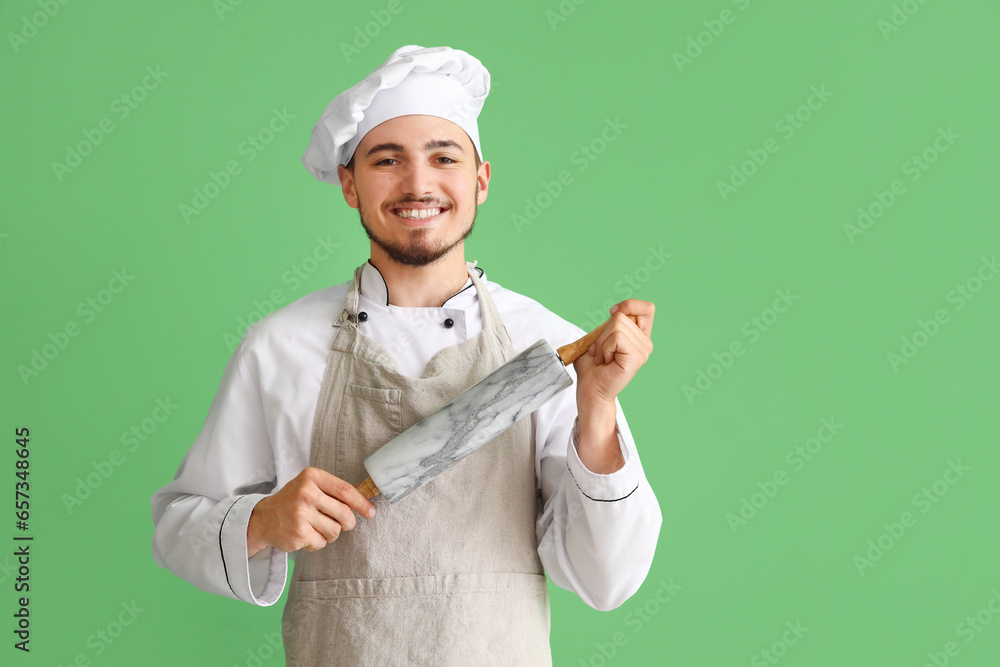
x,y
416,187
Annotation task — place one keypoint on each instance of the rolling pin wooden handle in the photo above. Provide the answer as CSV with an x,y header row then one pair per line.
x,y
368,488
573,351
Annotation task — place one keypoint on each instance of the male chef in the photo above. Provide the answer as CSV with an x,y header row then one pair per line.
x,y
454,574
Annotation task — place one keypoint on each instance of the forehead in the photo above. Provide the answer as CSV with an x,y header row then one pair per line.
x,y
414,132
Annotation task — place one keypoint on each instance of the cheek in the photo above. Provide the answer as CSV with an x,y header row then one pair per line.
x,y
371,194
463,190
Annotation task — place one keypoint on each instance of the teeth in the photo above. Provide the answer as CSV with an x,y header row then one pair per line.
x,y
417,213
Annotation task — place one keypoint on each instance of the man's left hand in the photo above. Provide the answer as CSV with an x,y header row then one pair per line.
x,y
621,349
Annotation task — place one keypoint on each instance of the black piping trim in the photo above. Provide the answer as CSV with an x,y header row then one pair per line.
x,y
223,553
601,500
383,282
469,286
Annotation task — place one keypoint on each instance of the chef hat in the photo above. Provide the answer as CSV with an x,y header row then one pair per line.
x,y
439,81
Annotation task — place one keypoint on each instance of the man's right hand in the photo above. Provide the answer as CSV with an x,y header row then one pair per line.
x,y
307,513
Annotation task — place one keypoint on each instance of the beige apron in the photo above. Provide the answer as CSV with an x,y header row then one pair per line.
x,y
450,574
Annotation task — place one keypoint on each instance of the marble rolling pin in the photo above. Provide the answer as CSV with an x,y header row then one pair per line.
x,y
471,419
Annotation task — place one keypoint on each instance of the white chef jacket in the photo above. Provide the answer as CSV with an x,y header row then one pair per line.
x,y
596,533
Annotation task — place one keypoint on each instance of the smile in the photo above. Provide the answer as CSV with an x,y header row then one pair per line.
x,y
418,213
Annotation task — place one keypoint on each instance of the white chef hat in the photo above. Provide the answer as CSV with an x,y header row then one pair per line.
x,y
438,81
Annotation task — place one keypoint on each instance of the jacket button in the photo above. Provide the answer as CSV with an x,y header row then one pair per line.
x,y
362,316
449,323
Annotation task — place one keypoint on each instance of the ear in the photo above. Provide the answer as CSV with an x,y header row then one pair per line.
x,y
348,186
483,182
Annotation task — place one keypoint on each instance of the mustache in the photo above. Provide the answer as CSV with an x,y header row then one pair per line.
x,y
424,200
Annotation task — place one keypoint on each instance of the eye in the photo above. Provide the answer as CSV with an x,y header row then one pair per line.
x,y
384,162
447,160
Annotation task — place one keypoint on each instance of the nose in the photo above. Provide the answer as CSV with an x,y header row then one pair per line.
x,y
419,179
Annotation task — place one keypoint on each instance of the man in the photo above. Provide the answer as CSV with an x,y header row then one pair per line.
x,y
455,572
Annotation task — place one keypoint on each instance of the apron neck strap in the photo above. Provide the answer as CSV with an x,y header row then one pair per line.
x,y
348,318
491,316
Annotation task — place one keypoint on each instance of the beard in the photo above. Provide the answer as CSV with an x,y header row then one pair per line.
x,y
417,250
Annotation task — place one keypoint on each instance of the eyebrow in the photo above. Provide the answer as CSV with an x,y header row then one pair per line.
x,y
429,146
442,143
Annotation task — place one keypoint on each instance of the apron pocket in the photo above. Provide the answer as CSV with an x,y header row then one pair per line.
x,y
374,411
457,619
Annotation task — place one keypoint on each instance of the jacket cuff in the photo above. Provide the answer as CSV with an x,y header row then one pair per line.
x,y
259,580
603,488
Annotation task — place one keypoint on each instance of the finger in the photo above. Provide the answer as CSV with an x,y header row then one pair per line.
x,y
604,346
600,344
595,352
618,348
641,312
614,337
635,340
336,510
345,492
608,347
638,339
623,340
326,529
607,342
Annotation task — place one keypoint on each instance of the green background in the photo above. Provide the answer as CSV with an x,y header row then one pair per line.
x,y
560,75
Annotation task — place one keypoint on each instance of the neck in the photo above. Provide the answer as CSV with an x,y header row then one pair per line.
x,y
422,286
